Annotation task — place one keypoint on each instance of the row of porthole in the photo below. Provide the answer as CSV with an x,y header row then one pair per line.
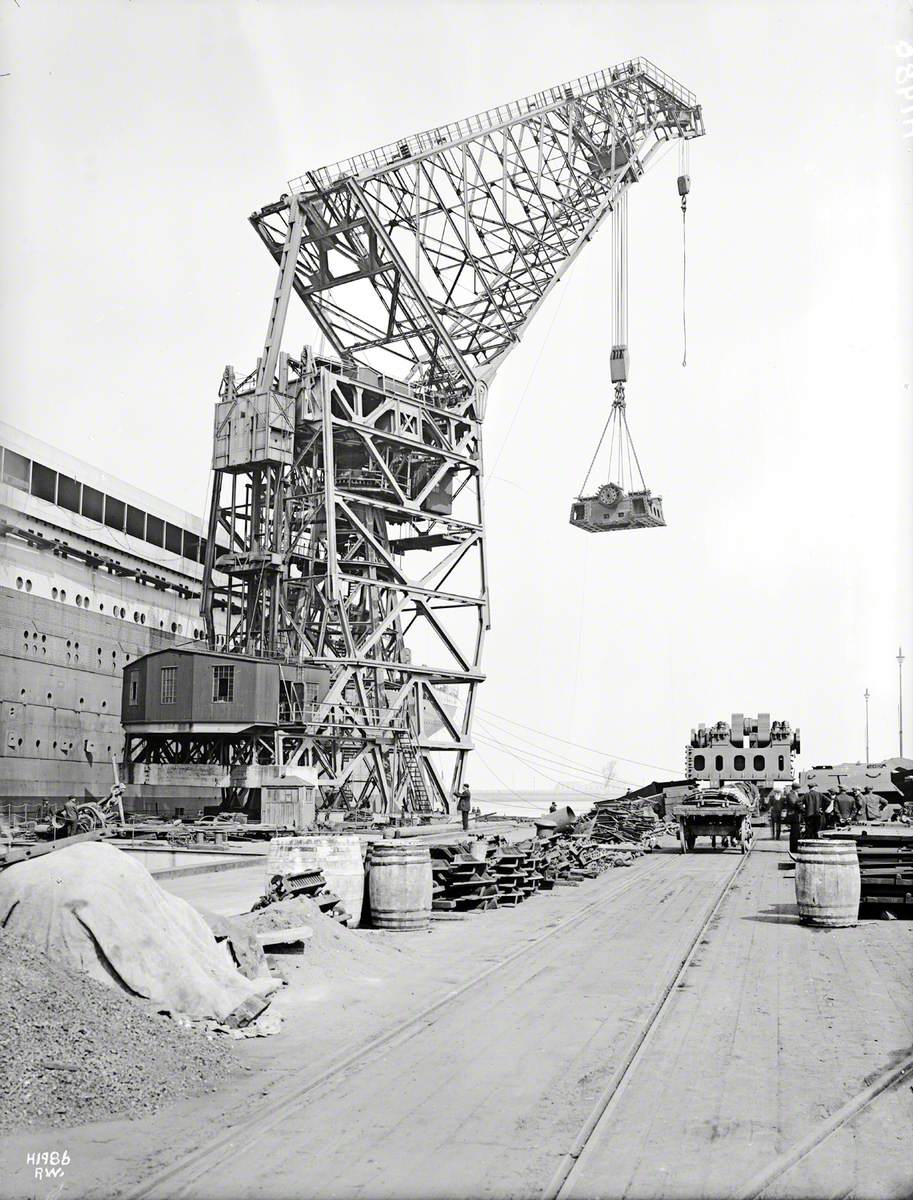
x,y
118,611
82,699
64,747
71,645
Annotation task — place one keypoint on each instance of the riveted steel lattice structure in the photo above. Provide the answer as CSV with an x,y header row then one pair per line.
x,y
347,521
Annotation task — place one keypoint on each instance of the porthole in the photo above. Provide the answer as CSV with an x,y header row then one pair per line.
x,y
174,626
79,601
161,624
25,633
37,743
50,696
142,618
75,658
104,703
28,585
22,691
101,608
19,582
63,594
53,745
69,643
123,612
44,637
82,699
54,593
136,617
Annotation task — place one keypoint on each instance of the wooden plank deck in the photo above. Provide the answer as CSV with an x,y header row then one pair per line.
x,y
775,1026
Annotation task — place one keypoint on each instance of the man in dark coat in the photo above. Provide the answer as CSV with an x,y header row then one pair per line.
x,y
464,804
814,804
846,807
870,806
795,810
776,814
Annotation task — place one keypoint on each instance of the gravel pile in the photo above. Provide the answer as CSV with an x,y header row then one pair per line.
x,y
72,1050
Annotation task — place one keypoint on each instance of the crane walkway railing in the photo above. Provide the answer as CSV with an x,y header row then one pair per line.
x,y
433,139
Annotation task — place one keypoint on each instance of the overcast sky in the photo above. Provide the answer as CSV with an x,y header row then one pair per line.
x,y
137,137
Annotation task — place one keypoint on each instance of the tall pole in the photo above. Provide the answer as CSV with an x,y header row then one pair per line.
x,y
867,759
900,697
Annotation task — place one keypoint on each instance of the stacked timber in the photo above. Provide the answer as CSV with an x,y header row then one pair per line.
x,y
885,862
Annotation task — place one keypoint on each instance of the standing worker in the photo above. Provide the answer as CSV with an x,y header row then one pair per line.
x,y
846,806
776,815
794,813
464,804
870,805
814,806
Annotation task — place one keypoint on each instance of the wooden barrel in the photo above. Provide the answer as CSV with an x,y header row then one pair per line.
x,y
399,886
828,882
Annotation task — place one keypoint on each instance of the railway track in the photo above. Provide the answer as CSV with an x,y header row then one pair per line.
x,y
176,1179
561,1184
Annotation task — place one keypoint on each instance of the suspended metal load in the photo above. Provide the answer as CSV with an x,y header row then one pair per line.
x,y
624,501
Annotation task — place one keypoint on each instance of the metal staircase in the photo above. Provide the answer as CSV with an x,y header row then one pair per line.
x,y
416,792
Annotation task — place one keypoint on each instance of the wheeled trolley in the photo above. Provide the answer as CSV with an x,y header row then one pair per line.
x,y
715,813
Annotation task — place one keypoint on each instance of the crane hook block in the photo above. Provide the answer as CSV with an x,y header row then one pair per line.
x,y
618,364
684,185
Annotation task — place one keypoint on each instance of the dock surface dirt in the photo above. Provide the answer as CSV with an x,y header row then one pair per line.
x,y
770,1030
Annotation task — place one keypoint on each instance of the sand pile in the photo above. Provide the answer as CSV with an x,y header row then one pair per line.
x,y
94,909
332,944
73,1050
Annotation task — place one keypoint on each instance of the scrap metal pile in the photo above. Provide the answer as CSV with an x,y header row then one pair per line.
x,y
626,821
474,876
310,884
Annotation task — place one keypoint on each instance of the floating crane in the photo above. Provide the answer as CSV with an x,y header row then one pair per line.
x,y
346,536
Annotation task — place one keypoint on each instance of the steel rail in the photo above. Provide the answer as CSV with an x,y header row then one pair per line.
x,y
605,1102
759,1183
179,1175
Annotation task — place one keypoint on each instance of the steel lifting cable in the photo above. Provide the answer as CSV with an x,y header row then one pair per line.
x,y
605,429
683,174
633,449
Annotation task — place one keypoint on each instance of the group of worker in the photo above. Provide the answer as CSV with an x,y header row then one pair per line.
x,y
808,811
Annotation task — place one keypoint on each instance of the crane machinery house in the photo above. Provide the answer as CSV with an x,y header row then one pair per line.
x,y
346,531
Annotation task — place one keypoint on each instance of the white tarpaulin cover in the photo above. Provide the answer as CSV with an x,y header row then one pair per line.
x,y
95,908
